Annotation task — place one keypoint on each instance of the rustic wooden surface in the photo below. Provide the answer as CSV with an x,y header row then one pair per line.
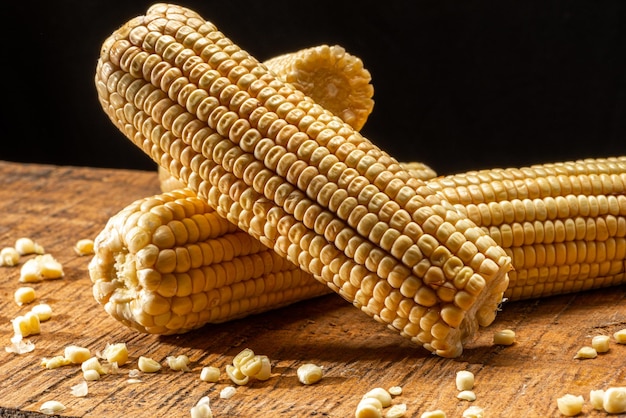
x,y
56,206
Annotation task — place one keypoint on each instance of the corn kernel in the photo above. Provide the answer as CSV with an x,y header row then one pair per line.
x,y
236,376
265,371
381,394
51,407
76,354
473,412
396,411
147,365
84,247
464,380
369,408
395,390
54,362
42,267
615,400
210,374
596,398
23,295
466,395
570,405
116,353
91,375
43,311
27,324
228,392
434,414
9,257
620,336
80,390
309,373
25,246
600,343
586,352
504,337
178,363
202,409
92,364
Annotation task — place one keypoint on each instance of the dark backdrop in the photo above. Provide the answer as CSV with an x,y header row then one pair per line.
x,y
458,85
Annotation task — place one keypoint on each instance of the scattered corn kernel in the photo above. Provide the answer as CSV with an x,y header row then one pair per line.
x,y
596,398
9,257
395,390
464,380
116,353
369,408
210,374
54,362
265,371
202,409
76,354
466,395
43,311
92,363
27,324
620,336
570,405
147,365
178,363
473,412
42,267
19,346
84,247
91,375
243,357
228,392
236,375
586,352
80,390
396,411
309,373
600,343
504,337
24,294
381,394
434,414
51,407
25,246
615,400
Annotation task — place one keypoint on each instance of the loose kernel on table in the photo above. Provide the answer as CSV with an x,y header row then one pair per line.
x,y
600,343
43,311
396,411
434,414
381,394
91,375
586,352
504,337
464,380
42,267
202,409
596,398
76,354
54,362
570,405
27,324
228,392
116,353
178,363
473,412
24,295
369,408
148,365
84,247
614,401
620,336
25,246
395,390
9,257
309,373
466,395
210,374
92,363
51,407
236,375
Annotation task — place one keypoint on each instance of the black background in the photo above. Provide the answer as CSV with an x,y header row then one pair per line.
x,y
458,85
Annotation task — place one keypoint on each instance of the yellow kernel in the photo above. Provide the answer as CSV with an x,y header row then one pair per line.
x,y
596,398
9,257
395,390
23,295
474,412
615,400
178,363
116,353
570,405
91,375
369,408
228,392
236,376
466,395
620,336
600,343
42,267
202,409
266,368
76,354
43,311
54,362
210,374
504,337
434,414
381,394
51,407
147,365
309,373
84,247
464,380
26,246
396,411
243,357
92,364
586,352
27,324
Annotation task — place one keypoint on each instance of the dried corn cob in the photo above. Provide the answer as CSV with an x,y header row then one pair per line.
x,y
284,169
562,224
527,219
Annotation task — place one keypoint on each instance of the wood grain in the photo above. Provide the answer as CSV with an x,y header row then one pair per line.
x,y
57,206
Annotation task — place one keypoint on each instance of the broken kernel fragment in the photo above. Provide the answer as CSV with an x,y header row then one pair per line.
x,y
473,412
178,363
116,353
76,354
27,324
54,362
309,373
586,352
148,365
210,374
25,246
9,257
434,414
84,247
42,267
51,407
24,295
202,409
570,405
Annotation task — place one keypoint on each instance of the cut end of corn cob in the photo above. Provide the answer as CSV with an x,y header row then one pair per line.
x,y
297,178
169,264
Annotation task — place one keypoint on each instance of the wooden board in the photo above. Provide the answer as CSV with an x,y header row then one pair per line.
x,y
57,206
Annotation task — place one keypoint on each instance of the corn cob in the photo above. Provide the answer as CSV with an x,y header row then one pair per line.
x,y
307,185
562,224
528,219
